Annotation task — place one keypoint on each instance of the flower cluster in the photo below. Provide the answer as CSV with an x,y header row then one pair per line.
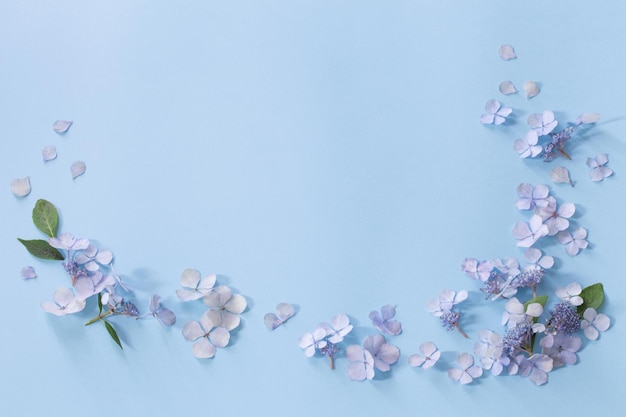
x,y
325,338
91,274
549,219
216,323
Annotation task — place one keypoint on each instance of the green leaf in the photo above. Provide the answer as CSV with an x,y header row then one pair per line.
x,y
593,297
41,249
113,333
99,303
46,217
541,299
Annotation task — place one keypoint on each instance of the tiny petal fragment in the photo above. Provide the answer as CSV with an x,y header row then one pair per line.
x,y
48,153
507,87
28,272
561,175
78,168
62,126
507,53
531,88
21,186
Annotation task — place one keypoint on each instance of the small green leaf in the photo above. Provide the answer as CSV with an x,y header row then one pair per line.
x,y
593,297
541,299
113,333
99,303
41,249
46,217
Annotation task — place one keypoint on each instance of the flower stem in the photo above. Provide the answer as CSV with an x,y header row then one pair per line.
x,y
99,317
332,362
565,154
461,331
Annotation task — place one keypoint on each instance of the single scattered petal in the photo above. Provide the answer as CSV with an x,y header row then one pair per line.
x,y
28,272
78,168
507,87
506,52
61,126
561,175
587,118
49,153
531,88
21,186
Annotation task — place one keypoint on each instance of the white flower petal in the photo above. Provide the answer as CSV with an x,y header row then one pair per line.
x,y
507,87
506,52
78,168
531,88
28,272
49,152
561,175
61,126
588,118
21,186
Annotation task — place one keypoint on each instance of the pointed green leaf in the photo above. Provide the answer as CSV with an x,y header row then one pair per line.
x,y
99,303
113,333
41,249
46,217
593,297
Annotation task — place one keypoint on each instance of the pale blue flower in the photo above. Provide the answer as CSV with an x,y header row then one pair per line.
x,y
593,323
67,241
195,287
383,320
571,294
561,348
361,363
535,368
467,371
311,342
599,170
428,358
384,354
574,241
531,197
527,146
527,234
64,303
284,311
496,113
91,258
338,327
206,334
475,269
490,352
92,284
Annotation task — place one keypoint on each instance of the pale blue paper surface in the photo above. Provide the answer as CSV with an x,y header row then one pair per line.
x,y
322,153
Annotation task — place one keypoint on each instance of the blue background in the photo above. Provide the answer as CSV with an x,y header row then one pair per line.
x,y
323,153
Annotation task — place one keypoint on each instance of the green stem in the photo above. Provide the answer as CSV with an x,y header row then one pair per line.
x,y
99,317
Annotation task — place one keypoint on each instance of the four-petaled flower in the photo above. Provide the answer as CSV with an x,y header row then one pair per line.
x,y
556,219
361,363
571,294
384,354
575,241
593,323
496,113
64,303
428,358
531,197
543,123
475,269
195,287
227,304
92,258
599,170
68,242
561,348
310,342
383,320
527,146
467,371
209,332
527,234
515,313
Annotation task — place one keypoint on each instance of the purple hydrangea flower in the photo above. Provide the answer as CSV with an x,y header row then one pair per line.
x,y
467,371
531,197
428,358
384,354
593,323
561,348
574,241
383,320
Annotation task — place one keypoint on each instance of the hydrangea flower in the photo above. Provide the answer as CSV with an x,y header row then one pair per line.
x,y
490,351
164,316
515,313
561,348
310,342
383,320
575,241
593,323
208,332
284,312
467,371
384,354
496,113
599,170
536,259
91,258
527,146
527,234
556,219
428,358
67,241
564,319
535,368
228,305
543,123
92,284
571,294
195,287
443,308
531,197
475,269
361,363
338,327
64,303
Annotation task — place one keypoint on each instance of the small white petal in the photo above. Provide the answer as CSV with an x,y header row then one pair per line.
x,y
506,52
61,126
561,175
531,88
588,118
28,272
507,87
49,152
21,186
78,168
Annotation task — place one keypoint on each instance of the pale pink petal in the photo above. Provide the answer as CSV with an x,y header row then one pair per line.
x,y
20,187
48,153
507,52
61,126
78,168
507,87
